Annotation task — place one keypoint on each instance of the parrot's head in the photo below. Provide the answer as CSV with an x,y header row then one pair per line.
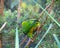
x,y
36,21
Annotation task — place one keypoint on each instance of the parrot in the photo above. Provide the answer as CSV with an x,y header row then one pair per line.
x,y
30,26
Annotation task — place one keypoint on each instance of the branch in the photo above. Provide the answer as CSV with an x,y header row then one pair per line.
x,y
50,6
56,38
44,35
23,40
47,7
3,26
39,28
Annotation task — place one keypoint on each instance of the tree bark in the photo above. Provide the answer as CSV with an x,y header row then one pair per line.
x,y
1,7
0,40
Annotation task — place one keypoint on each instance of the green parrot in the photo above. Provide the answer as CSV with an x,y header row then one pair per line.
x,y
29,27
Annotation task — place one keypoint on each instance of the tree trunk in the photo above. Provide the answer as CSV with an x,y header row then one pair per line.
x,y
1,7
0,40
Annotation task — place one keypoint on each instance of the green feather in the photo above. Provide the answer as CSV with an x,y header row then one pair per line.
x,y
28,27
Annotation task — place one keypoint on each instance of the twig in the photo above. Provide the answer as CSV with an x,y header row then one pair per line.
x,y
28,43
58,42
23,40
47,14
16,38
38,31
17,35
3,26
44,36
47,7
50,9
39,28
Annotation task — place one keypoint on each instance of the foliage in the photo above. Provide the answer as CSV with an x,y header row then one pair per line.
x,y
29,11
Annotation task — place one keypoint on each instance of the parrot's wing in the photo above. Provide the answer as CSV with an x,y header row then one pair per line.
x,y
26,26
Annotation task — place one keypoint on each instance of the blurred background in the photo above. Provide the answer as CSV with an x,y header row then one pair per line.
x,y
28,10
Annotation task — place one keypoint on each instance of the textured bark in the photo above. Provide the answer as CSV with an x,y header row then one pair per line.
x,y
1,7
0,40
